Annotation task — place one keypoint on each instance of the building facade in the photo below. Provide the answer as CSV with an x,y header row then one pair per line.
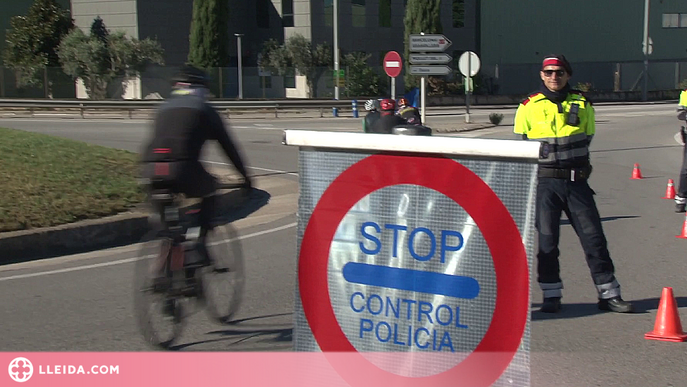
x,y
370,26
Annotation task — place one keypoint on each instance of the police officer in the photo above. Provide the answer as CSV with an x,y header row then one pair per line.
x,y
681,195
564,118
387,119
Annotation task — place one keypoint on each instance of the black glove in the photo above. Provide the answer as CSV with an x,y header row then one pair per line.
x,y
683,134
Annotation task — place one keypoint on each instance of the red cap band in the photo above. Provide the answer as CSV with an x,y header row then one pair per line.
x,y
552,62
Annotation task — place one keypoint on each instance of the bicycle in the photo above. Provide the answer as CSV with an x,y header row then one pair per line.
x,y
173,271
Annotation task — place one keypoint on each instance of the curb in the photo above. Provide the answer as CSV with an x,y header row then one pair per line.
x,y
73,238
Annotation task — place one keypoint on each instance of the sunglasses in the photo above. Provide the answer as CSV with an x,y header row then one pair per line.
x,y
549,73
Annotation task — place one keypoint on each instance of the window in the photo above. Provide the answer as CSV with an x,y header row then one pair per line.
x,y
287,13
290,78
358,13
385,13
262,13
458,13
328,13
675,20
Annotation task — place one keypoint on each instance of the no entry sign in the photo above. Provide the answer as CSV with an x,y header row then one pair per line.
x,y
412,254
393,64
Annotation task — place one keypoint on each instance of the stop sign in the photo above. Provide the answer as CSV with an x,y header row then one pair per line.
x,y
393,64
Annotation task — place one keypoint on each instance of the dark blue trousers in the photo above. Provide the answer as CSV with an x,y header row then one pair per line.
x,y
576,199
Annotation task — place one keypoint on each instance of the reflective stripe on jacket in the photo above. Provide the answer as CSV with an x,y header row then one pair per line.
x,y
541,119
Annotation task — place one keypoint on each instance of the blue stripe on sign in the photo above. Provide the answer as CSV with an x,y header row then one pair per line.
x,y
411,280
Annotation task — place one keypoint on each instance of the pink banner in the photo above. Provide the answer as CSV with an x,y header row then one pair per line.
x,y
297,369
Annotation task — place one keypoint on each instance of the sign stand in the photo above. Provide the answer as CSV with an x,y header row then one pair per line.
x,y
469,65
393,64
428,43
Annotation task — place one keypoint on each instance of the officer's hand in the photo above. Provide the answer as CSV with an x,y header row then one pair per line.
x,y
683,134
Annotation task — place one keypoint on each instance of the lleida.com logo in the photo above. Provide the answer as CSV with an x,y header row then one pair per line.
x,y
20,369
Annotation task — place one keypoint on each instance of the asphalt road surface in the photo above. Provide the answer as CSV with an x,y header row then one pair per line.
x,y
84,302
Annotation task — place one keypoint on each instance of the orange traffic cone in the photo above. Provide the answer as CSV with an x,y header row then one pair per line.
x,y
667,326
636,172
670,190
683,235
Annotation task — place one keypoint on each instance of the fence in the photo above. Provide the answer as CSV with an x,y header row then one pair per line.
x,y
505,79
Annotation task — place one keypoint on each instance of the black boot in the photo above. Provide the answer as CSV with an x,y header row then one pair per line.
x,y
680,207
615,304
551,305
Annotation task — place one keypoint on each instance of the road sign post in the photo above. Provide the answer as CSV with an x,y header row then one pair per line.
x,y
419,46
401,268
469,65
393,64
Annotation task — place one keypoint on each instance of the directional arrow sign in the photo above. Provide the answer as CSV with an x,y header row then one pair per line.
x,y
429,43
430,58
430,70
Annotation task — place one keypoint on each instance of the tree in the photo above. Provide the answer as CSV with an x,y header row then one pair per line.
x,y
98,61
209,40
32,41
297,53
361,80
421,16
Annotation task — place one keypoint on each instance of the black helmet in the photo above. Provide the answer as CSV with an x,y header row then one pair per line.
x,y
192,76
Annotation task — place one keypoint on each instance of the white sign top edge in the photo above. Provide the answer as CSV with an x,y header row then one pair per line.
x,y
415,144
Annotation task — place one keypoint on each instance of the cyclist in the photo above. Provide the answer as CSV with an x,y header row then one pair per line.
x,y
372,106
387,119
181,126
408,113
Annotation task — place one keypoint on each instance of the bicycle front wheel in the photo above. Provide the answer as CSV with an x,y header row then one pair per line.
x,y
158,313
224,280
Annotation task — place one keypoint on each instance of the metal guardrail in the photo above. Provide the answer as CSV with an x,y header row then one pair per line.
x,y
134,105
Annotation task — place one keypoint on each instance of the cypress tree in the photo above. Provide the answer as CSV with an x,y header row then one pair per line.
x,y
209,38
421,16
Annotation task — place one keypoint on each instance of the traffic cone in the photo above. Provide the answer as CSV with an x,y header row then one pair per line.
x,y
683,235
667,326
670,190
636,172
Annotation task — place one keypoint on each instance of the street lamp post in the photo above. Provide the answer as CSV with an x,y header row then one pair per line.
x,y
647,48
336,48
240,54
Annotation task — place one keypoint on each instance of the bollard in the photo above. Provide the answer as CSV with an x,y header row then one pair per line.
x,y
355,108
335,112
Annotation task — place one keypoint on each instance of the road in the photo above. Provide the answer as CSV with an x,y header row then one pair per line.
x,y
83,302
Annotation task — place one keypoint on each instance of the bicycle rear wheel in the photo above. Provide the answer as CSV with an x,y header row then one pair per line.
x,y
159,313
223,281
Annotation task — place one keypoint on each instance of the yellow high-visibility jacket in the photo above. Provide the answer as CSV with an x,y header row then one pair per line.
x,y
539,118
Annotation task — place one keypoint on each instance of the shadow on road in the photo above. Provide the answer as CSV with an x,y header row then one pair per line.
x,y
589,309
606,218
262,336
636,148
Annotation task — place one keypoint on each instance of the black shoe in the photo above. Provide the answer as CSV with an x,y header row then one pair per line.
x,y
679,208
615,304
551,305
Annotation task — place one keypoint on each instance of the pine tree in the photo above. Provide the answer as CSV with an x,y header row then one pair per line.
x,y
421,16
209,39
99,30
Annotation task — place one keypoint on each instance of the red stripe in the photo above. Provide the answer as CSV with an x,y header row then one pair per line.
x,y
552,62
162,150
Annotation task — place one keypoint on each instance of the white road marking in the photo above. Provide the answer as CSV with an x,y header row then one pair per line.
x,y
258,168
129,260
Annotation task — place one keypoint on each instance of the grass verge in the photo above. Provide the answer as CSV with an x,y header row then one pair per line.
x,y
48,181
